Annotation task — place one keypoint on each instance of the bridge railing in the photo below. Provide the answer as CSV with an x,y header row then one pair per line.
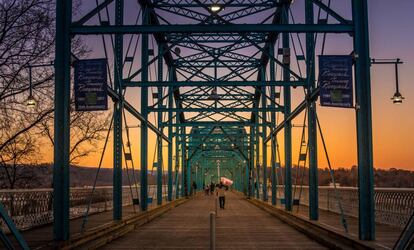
x,y
31,208
393,206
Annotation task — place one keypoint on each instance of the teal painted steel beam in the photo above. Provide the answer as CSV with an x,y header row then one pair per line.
x,y
13,230
302,106
128,107
212,28
251,162
364,121
217,83
170,137
273,144
232,4
177,160
257,157
213,109
118,108
246,178
236,149
312,133
264,132
144,112
93,12
331,12
212,124
159,120
183,163
288,124
61,122
188,176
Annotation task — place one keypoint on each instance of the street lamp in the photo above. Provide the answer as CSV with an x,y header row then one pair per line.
x,y
397,98
30,102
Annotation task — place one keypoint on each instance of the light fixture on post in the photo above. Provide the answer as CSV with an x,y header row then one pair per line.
x,y
397,98
30,102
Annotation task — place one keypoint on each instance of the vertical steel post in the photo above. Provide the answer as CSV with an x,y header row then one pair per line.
x,y
117,174
288,125
246,178
144,112
159,118
256,136
364,121
251,162
188,176
183,163
312,135
273,122
177,160
203,173
264,132
170,137
62,119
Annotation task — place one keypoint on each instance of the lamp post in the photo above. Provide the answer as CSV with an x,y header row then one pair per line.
x,y
31,101
397,98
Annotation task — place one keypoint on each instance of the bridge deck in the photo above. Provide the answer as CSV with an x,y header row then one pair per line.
x,y
43,236
386,235
240,226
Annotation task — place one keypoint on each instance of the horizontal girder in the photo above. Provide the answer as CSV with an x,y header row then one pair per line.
x,y
213,28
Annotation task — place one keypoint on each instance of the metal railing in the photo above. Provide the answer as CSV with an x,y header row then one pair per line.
x,y
31,208
393,206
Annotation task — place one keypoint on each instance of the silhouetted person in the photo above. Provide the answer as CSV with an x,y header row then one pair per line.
x,y
194,187
221,193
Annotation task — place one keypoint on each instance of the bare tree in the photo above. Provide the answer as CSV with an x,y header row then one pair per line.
x,y
12,160
87,130
27,37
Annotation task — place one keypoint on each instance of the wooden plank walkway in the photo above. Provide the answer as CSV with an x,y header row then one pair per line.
x,y
39,238
386,235
240,226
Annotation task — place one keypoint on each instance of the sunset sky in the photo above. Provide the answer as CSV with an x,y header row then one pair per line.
x,y
391,36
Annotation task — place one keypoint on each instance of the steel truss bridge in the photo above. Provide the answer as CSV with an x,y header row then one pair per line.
x,y
225,72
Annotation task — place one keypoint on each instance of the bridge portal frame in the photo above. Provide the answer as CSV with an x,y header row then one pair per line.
x,y
65,29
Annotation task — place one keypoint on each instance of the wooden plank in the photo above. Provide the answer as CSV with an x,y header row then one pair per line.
x,y
240,226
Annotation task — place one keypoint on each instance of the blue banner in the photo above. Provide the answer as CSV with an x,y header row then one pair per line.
x,y
91,85
335,81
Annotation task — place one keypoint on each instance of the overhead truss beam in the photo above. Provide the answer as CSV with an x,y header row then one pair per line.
x,y
213,28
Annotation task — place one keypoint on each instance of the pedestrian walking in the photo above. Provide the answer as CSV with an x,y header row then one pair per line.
x,y
221,193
